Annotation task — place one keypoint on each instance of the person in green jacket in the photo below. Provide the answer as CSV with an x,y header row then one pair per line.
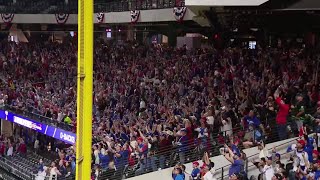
x,y
67,120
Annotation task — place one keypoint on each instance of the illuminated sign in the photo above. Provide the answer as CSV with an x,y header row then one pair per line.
x,y
67,137
48,130
26,123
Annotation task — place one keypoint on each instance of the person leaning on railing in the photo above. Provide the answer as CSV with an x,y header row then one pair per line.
x,y
142,149
182,144
207,175
165,148
208,163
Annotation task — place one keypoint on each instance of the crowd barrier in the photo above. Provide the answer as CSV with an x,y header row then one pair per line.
x,y
221,164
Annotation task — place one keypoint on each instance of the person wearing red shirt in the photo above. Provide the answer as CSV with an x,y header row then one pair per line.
x,y
281,118
2,149
22,148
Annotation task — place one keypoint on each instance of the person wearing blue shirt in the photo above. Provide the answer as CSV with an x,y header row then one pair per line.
x,y
125,153
251,119
317,174
124,136
195,174
182,145
104,160
41,165
143,152
118,157
142,147
235,150
178,174
237,165
309,148
73,165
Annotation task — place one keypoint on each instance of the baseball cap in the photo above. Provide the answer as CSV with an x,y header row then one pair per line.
x,y
316,152
302,142
140,139
195,163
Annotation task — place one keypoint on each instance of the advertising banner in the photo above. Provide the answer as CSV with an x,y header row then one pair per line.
x,y
57,133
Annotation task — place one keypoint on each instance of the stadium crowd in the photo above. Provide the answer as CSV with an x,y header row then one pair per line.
x,y
152,101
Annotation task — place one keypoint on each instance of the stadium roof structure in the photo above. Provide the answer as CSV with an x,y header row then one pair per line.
x,y
275,15
71,6
304,5
271,15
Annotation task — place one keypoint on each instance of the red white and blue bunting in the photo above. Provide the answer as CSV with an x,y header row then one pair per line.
x,y
7,18
100,17
61,18
134,16
179,13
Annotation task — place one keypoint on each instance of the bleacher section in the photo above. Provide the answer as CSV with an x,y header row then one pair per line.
x,y
24,167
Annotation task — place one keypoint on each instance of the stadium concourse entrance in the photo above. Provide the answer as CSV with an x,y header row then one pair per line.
x,y
6,128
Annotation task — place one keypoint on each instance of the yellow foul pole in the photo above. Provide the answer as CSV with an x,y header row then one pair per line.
x,y
84,89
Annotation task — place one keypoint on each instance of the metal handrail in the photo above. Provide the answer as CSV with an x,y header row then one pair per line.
x,y
191,155
247,158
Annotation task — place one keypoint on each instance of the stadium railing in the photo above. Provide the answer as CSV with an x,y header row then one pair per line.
x,y
221,172
25,166
195,152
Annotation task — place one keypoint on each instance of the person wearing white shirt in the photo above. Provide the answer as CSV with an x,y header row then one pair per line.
x,y
226,126
268,171
36,145
133,142
60,116
301,156
207,173
10,150
1,102
96,154
42,175
210,120
264,153
202,131
142,105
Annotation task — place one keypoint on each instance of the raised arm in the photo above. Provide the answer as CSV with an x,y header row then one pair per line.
x,y
229,156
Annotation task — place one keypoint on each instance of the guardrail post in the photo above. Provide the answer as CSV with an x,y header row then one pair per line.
x,y
222,172
247,164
